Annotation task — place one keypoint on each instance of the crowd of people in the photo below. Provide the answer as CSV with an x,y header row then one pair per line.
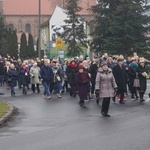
x,y
106,77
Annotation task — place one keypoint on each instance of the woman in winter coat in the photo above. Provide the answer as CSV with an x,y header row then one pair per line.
x,y
105,87
12,74
142,71
132,75
119,73
35,75
56,83
71,71
6,79
82,81
24,75
65,84
87,69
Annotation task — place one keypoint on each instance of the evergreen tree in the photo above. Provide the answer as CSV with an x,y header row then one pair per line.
x,y
120,26
3,37
5,43
31,51
23,46
74,34
13,48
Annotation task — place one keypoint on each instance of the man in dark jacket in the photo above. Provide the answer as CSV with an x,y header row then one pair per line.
x,y
46,77
93,72
119,72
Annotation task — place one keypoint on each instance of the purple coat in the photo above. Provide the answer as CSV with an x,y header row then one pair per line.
x,y
82,81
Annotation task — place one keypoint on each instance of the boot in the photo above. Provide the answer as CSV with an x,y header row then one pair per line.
x,y
38,89
33,88
141,97
132,97
97,101
121,102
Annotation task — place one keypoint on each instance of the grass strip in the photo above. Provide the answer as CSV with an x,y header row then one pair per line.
x,y
4,108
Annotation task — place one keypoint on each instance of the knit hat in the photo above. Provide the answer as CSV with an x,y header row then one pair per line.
x,y
97,60
103,63
81,67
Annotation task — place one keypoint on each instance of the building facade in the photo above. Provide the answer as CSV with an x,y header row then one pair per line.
x,y
23,15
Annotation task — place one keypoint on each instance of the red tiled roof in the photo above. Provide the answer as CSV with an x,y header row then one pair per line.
x,y
30,7
25,7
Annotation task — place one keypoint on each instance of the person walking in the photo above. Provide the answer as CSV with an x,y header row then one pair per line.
x,y
46,77
119,73
24,75
105,87
82,81
71,71
132,74
12,74
35,75
93,72
6,79
142,71
65,84
56,83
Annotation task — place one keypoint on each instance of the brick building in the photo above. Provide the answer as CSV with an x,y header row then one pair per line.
x,y
22,15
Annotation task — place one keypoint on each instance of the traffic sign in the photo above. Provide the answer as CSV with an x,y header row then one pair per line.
x,y
59,43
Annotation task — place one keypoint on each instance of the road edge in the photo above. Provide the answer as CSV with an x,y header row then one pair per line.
x,y
7,115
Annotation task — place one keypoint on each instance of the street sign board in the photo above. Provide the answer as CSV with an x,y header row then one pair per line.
x,y
59,43
49,44
61,54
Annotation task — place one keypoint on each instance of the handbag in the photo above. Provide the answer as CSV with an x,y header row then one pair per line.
x,y
136,82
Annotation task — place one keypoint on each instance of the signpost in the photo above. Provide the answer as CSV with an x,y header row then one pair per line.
x,y
59,43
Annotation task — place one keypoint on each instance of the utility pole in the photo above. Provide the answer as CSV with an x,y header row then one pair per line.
x,y
39,39
63,4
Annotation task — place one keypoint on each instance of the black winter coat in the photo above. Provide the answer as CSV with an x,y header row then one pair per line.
x,y
24,76
142,79
120,77
1,68
71,74
93,72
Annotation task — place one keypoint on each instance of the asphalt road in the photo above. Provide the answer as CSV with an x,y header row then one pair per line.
x,y
60,124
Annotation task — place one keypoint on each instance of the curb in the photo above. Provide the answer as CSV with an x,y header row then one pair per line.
x,y
8,115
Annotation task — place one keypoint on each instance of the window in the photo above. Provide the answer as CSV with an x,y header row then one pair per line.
x,y
11,26
28,28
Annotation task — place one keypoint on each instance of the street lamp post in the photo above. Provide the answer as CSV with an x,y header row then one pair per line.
x,y
39,39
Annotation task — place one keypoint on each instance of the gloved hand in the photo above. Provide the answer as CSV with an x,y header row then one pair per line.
x,y
97,93
116,89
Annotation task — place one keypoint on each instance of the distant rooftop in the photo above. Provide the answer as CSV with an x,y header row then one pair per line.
x,y
30,7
